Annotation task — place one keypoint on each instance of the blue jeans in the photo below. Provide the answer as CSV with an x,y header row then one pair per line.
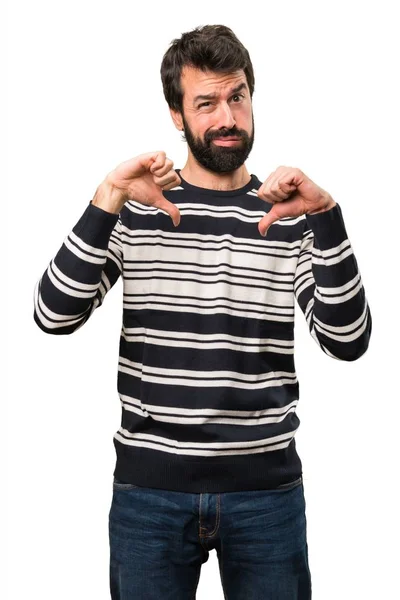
x,y
159,539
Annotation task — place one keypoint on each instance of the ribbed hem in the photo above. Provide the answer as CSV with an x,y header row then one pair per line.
x,y
328,228
147,468
254,183
95,226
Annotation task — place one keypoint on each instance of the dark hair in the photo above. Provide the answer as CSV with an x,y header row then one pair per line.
x,y
208,48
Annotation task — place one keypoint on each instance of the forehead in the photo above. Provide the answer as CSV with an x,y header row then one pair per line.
x,y
194,82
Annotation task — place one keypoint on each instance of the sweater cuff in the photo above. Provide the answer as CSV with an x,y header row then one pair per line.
x,y
328,228
95,226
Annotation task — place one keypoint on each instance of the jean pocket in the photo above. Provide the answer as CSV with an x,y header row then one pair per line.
x,y
291,485
120,485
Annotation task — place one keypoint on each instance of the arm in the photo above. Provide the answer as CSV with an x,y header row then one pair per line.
x,y
327,282
90,260
329,289
85,268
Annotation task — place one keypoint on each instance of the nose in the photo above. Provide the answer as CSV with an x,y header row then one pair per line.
x,y
225,117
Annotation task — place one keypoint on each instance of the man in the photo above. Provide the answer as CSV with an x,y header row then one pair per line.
x,y
206,453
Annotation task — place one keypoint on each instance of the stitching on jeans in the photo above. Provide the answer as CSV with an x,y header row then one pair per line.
x,y
217,518
203,543
200,528
203,530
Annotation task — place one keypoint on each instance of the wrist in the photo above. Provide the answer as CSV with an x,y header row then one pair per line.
x,y
328,205
109,198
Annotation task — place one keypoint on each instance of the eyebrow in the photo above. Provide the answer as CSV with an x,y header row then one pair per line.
x,y
213,96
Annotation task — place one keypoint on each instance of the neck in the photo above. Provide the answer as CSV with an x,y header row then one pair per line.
x,y
196,174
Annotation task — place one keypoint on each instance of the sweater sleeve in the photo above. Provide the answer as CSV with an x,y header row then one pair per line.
x,y
329,289
85,268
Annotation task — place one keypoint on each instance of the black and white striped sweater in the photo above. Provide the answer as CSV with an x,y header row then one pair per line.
x,y
206,378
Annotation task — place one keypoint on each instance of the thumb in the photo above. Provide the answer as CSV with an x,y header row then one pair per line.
x,y
267,221
168,207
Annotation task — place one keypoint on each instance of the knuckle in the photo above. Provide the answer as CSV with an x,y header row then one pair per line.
x,y
159,159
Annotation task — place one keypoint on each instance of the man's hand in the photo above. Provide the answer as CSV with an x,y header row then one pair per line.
x,y
292,194
141,179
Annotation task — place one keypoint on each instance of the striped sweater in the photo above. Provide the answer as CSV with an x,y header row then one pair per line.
x,y
206,378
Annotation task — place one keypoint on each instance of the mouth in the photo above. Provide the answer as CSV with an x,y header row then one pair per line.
x,y
226,141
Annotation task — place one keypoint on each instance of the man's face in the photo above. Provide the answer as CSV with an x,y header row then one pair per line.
x,y
228,113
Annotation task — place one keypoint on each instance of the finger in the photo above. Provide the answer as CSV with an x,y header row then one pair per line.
x,y
273,197
265,186
170,209
279,193
266,222
278,189
159,159
287,186
169,181
272,182
159,171
283,189
175,181
269,188
282,175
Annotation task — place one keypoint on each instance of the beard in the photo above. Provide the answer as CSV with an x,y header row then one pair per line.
x,y
219,159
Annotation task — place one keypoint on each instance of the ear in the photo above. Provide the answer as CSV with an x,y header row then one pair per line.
x,y
177,119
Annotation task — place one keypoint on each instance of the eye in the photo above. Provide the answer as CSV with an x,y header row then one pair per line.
x,y
238,96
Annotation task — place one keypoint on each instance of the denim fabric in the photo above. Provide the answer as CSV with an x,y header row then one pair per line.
x,y
159,539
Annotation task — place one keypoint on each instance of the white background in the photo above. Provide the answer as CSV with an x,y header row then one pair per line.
x,y
84,95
